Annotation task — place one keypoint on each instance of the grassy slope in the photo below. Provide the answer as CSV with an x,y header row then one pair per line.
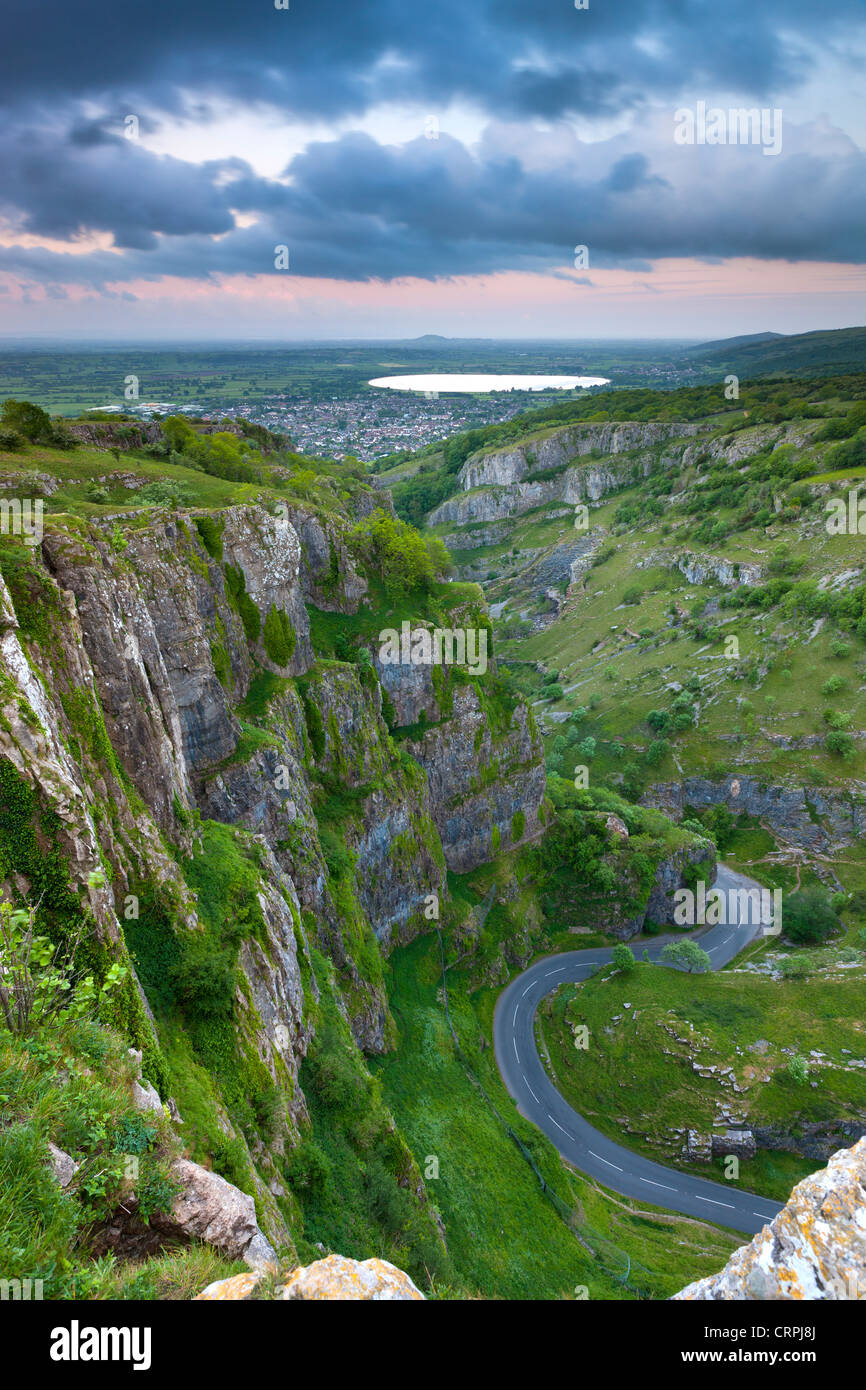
x,y
504,1237
637,1083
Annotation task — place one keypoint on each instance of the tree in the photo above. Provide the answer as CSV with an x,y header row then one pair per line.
x,y
404,560
807,916
687,955
622,957
28,419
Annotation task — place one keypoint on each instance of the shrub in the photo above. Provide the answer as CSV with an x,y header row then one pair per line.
x,y
839,743
622,957
28,420
211,535
236,587
807,916
279,637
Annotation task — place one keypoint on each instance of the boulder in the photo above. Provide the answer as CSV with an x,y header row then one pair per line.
x,y
340,1278
210,1209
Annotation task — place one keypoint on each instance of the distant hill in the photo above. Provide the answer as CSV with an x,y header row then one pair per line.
x,y
745,340
829,351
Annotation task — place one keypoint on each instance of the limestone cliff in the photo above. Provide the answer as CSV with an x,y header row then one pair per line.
x,y
231,810
577,463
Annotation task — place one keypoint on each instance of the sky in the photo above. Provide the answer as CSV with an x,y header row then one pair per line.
x,y
226,169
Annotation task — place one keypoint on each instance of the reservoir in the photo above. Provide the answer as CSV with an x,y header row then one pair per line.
x,y
459,381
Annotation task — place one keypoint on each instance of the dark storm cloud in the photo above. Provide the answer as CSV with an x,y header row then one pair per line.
x,y
337,57
354,209
351,208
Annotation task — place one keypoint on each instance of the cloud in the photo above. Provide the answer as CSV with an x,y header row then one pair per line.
x,y
333,58
355,209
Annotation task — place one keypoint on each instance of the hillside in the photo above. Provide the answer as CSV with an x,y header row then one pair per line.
x,y
691,637
293,874
827,352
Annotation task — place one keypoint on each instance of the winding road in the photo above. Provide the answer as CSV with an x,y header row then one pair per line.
x,y
583,1146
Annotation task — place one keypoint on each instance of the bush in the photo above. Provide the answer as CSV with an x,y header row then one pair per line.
x,y
211,536
622,957
840,743
31,421
11,440
279,637
807,916
236,587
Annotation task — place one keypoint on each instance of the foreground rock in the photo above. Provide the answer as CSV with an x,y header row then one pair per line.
x,y
335,1277
814,1249
210,1209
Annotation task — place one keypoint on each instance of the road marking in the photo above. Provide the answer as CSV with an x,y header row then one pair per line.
x,y
762,1215
514,1019
658,1184
559,1126
526,991
604,1160
531,1092
716,1204
727,939
514,1045
555,972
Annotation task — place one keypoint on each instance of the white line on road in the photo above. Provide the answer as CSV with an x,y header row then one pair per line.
x,y
716,1204
526,991
604,1160
559,1126
514,1045
514,1019
531,1092
658,1184
555,972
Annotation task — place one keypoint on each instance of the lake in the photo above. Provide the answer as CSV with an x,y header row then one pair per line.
x,y
459,381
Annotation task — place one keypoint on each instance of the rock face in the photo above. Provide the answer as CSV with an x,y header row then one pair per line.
x,y
486,787
810,818
142,719
814,1249
507,482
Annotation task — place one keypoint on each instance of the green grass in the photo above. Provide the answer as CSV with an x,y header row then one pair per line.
x,y
637,1084
504,1237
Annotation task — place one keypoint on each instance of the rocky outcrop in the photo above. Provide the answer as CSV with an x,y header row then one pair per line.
x,y
742,444
703,569
210,1209
814,1249
503,467
808,817
507,482
670,874
335,1277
